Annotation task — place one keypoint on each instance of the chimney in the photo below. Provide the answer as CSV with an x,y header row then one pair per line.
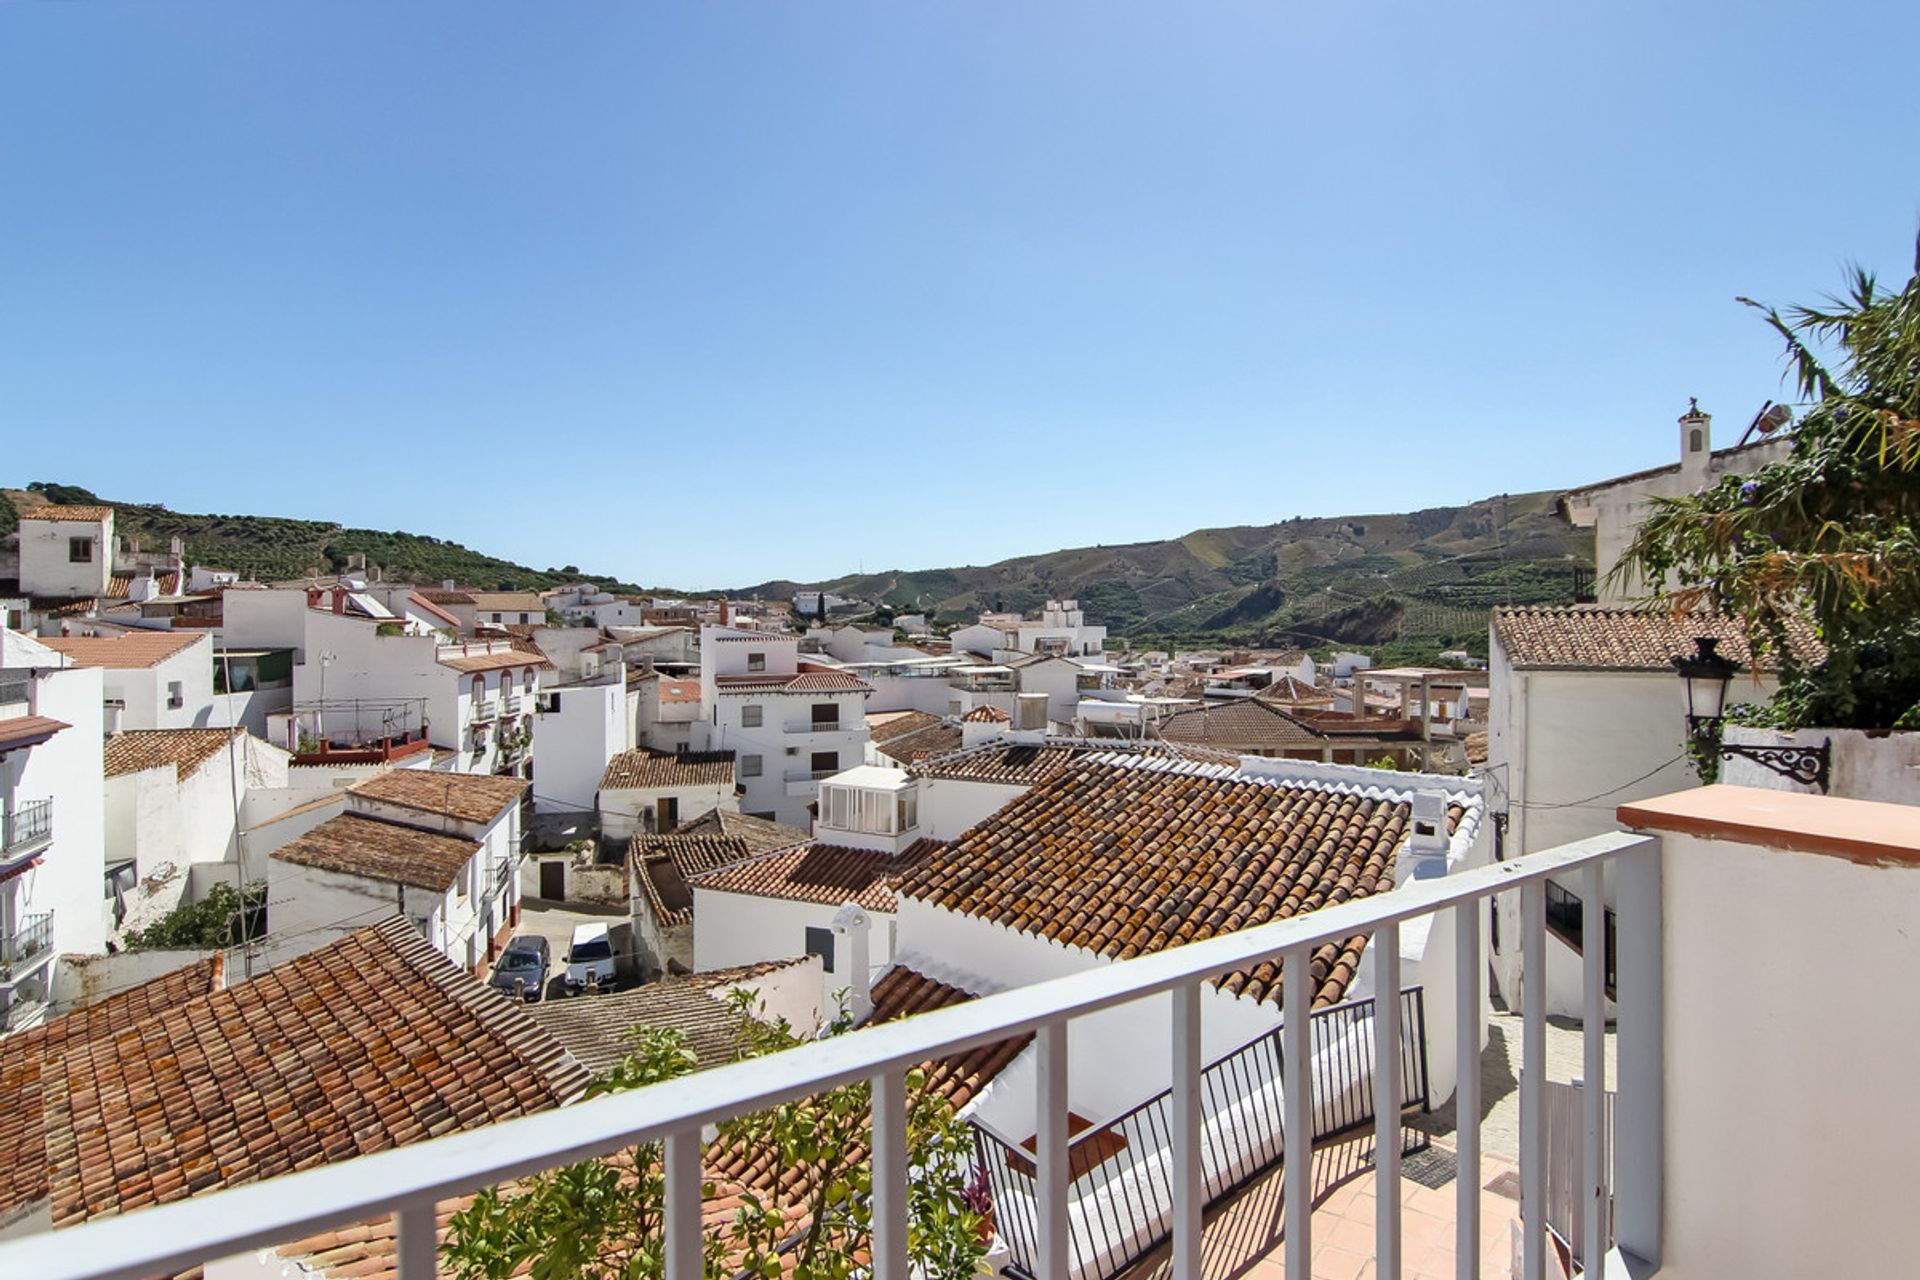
x,y
1427,846
143,587
852,929
726,612
446,584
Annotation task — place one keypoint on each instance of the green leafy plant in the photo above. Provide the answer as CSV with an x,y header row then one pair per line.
x,y
604,1219
1828,537
221,919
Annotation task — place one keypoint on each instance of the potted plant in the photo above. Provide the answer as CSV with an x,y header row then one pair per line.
x,y
977,1198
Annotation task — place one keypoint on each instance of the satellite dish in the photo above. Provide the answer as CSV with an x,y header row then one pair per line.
x,y
1770,419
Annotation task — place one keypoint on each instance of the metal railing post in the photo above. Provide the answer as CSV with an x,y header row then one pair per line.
x,y
1466,1095
1297,1087
1386,1101
1050,1185
683,1229
1533,1071
1189,1182
890,1176
1593,1098
1639,1154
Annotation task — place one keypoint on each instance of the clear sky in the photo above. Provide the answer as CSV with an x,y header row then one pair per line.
x,y
707,293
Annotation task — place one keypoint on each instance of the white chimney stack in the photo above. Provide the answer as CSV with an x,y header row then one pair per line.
x,y
1030,716
1427,845
852,931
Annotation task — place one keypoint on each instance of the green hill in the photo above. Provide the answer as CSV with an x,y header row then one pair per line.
x,y
1423,579
270,548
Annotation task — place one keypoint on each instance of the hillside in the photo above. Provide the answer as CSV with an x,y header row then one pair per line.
x,y
1426,577
271,548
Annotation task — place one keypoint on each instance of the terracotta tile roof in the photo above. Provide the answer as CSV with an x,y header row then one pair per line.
x,y
187,750
645,770
937,739
821,872
987,714
419,600
1241,723
508,602
679,691
596,1029
441,595
1288,689
883,725
1026,764
1586,637
352,844
120,584
371,1042
27,731
1124,861
662,865
903,992
469,664
366,1251
470,797
30,1062
759,834
803,682
1476,746
88,514
133,651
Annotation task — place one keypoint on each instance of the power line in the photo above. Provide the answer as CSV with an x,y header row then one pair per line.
x,y
1601,795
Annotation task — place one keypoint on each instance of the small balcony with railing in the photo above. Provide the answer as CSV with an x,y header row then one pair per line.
x,y
1757,936
26,956
483,710
26,829
817,724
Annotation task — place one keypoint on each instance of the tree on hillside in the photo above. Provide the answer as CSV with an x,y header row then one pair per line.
x,y
1831,534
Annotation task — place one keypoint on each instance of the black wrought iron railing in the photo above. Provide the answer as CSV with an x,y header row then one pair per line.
x,y
25,825
1120,1189
31,938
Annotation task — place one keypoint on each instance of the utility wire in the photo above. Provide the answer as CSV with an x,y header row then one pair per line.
x,y
1601,795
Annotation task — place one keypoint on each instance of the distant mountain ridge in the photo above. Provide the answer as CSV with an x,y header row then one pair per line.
x,y
1425,577
1353,579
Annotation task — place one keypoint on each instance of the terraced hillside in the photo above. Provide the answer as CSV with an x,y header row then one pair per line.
x,y
1424,576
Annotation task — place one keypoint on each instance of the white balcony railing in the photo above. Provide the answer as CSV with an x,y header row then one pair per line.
x,y
510,705
408,1182
815,726
484,710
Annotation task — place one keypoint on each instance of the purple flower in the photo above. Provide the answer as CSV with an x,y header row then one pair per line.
x,y
1747,491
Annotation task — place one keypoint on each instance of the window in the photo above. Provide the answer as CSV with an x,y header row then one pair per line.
x,y
750,717
80,550
820,943
826,715
121,878
826,762
749,766
756,661
176,695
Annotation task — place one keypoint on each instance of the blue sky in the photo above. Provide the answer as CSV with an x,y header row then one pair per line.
x,y
723,291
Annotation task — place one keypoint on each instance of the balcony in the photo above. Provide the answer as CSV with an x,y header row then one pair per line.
x,y
804,782
1060,1222
1726,1025
26,950
484,711
816,726
13,689
25,830
510,705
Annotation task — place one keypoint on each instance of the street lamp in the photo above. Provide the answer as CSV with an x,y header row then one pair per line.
x,y
1705,674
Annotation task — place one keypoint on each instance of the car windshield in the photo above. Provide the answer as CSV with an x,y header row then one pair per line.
x,y
599,949
520,960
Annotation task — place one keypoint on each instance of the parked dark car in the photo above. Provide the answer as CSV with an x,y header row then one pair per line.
x,y
522,968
